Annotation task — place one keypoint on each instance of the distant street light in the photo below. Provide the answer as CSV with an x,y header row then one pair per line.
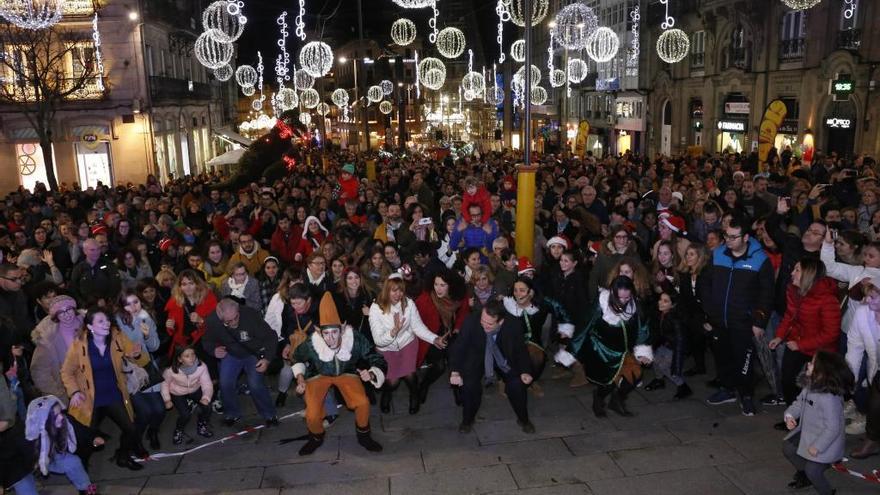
x,y
133,15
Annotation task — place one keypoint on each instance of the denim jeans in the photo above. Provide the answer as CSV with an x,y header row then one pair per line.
x,y
149,410
62,463
232,366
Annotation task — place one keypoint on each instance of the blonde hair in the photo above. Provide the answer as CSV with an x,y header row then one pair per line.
x,y
384,298
202,288
640,278
702,259
166,275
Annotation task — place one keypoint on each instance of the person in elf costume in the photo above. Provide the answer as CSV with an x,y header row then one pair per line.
x,y
336,355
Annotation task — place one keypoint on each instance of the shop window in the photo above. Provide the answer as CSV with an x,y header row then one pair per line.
x,y
31,165
93,163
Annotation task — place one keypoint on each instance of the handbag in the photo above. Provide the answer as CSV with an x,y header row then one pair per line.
x,y
136,377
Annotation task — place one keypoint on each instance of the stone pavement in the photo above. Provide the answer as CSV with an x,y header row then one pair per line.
x,y
670,447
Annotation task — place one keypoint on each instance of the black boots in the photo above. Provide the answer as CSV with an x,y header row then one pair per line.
x,y
280,399
125,460
599,403
799,481
618,403
312,444
412,383
153,437
683,392
385,400
366,440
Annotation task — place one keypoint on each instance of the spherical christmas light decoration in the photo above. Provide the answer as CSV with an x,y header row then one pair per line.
x,y
385,107
535,74
223,73
32,14
673,45
305,118
323,108
469,95
432,73
222,26
539,95
517,12
473,82
310,98
577,70
248,90
245,75
403,31
495,95
557,78
387,87
339,97
800,4
603,44
257,105
302,80
286,99
375,94
414,4
316,58
573,25
518,50
451,42
212,53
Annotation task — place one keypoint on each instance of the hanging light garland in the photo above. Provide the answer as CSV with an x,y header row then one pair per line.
x,y
99,59
375,94
387,87
223,26
573,25
517,11
414,4
212,53
539,95
634,46
557,78
339,97
224,73
432,22
849,8
385,107
577,70
286,99
432,73
800,4
245,76
32,14
302,80
673,44
323,109
472,82
300,21
403,31
316,58
603,44
518,50
282,61
451,42
495,96
503,15
550,67
257,104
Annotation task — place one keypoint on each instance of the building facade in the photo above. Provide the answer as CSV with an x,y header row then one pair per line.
x,y
744,54
160,112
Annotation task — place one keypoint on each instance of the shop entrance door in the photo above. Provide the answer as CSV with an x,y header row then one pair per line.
x,y
93,163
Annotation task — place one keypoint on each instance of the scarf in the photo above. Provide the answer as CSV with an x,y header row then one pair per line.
x,y
608,313
67,332
237,290
483,294
189,370
252,253
493,357
313,280
446,308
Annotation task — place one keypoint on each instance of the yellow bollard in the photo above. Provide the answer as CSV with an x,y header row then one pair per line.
x,y
371,170
525,212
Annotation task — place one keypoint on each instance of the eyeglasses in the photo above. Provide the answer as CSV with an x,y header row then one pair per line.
x,y
728,237
67,310
12,279
622,237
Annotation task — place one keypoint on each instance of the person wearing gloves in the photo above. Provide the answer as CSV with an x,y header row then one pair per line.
x,y
336,355
52,338
395,324
612,346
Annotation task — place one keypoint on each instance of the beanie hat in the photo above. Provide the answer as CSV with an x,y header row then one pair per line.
x,y
165,244
348,168
59,303
98,229
674,222
327,313
524,265
557,239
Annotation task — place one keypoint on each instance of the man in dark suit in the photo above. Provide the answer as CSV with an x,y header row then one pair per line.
x,y
491,346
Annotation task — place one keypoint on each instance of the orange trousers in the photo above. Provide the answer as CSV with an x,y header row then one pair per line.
x,y
352,390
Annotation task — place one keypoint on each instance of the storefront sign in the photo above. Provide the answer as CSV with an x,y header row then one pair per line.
x,y
790,128
90,138
740,107
731,126
610,84
838,123
842,87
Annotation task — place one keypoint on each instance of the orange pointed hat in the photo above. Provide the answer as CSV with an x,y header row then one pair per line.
x,y
328,316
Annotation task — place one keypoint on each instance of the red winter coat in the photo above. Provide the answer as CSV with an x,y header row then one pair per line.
x,y
348,189
481,198
813,320
285,246
176,312
431,318
306,247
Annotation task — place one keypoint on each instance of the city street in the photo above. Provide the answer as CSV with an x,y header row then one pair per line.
x,y
670,447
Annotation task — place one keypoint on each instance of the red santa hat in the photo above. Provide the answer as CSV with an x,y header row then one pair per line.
x,y
165,244
524,265
560,240
98,229
674,222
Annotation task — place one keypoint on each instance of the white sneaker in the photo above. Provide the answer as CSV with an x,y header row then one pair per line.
x,y
857,425
849,409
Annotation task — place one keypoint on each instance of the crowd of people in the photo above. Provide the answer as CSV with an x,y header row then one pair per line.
x,y
145,304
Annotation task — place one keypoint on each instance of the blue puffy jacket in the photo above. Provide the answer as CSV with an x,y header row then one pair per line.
x,y
740,292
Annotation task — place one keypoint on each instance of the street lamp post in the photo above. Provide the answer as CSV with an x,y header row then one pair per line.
x,y
525,178
364,78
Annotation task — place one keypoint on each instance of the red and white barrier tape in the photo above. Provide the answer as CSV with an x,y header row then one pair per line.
x,y
873,477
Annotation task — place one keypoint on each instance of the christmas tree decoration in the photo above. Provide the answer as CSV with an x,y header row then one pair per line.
x,y
387,87
245,75
32,14
557,78
801,4
375,94
222,26
517,11
223,73
603,44
302,80
339,97
573,25
385,107
673,44
451,42
518,50
432,73
310,98
211,53
316,58
539,95
286,99
403,31
577,70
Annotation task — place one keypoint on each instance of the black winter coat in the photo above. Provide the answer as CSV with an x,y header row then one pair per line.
x,y
467,352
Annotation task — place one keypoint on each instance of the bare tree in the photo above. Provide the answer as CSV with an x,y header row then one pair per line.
x,y
42,70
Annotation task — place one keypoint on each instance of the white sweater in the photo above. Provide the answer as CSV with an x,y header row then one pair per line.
x,y
863,337
273,314
381,325
851,274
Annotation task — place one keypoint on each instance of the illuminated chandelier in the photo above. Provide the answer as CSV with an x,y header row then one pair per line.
x,y
310,98
517,11
223,73
574,24
432,73
245,76
577,70
223,26
403,31
32,14
339,97
211,53
518,50
800,4
450,42
385,107
316,58
286,99
374,94
603,44
673,44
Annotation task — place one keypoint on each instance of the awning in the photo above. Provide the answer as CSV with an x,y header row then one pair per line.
x,y
228,158
232,136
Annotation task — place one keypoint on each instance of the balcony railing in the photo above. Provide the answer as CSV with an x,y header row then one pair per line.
x,y
698,60
792,49
849,39
78,7
738,57
167,88
89,90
